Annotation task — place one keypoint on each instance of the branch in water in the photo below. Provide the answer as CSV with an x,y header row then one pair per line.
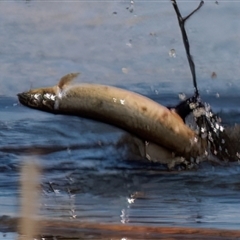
x,y
209,125
181,22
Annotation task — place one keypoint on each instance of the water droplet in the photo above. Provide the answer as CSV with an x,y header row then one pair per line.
x,y
125,70
122,101
172,53
69,151
213,75
130,200
182,96
37,95
153,34
129,44
131,7
124,217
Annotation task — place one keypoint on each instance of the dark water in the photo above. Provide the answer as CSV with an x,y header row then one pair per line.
x,y
85,171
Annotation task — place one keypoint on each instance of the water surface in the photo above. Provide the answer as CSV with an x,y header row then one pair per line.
x,y
85,171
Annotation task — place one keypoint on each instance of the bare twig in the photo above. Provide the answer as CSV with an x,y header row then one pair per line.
x,y
181,22
210,130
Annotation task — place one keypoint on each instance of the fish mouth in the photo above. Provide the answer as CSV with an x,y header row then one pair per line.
x,y
24,98
38,100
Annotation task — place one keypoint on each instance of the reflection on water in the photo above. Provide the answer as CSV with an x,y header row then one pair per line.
x,y
88,173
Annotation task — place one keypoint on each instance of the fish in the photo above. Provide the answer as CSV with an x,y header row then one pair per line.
x,y
139,115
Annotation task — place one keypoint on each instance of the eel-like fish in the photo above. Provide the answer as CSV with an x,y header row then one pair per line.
x,y
130,111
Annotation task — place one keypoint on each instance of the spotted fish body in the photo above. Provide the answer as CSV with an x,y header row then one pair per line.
x,y
130,111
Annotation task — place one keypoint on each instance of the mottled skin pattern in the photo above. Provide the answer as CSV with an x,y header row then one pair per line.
x,y
130,111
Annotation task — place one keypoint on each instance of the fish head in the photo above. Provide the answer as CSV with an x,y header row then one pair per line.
x,y
47,99
41,98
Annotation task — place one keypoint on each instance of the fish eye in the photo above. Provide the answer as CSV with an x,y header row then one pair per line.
x,y
35,100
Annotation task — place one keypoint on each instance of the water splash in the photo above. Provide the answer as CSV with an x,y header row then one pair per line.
x,y
131,7
211,132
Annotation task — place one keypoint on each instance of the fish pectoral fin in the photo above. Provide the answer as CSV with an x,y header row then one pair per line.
x,y
156,153
67,79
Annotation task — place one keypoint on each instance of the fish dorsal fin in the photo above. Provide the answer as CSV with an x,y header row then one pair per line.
x,y
67,79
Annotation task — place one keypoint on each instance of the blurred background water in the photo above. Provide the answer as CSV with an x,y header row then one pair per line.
x,y
84,170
